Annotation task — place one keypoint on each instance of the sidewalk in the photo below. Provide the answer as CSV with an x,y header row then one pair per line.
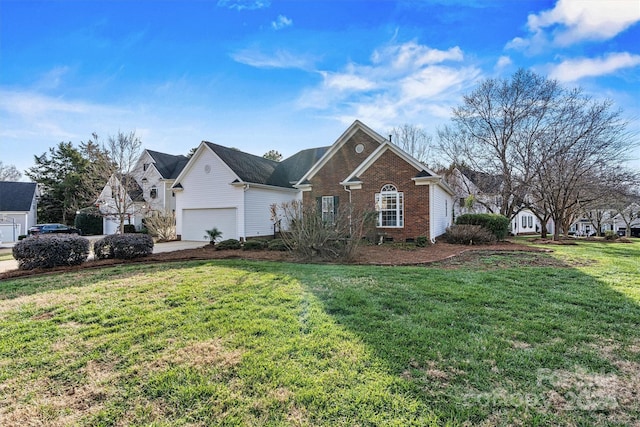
x,y
12,264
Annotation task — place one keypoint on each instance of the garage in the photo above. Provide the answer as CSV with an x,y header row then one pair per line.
x,y
195,222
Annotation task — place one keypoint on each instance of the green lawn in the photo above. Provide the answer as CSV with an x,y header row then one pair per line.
x,y
497,341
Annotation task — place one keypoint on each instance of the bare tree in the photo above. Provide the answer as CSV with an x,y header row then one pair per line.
x,y
9,173
549,144
123,151
496,128
583,141
415,141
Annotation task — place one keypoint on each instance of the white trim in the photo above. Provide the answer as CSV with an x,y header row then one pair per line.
x,y
346,135
248,185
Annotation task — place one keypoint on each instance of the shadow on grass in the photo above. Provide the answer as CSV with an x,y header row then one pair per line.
x,y
538,343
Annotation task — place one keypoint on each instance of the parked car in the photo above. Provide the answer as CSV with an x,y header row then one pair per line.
x,y
53,228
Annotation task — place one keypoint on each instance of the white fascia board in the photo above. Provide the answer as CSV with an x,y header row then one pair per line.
x,y
346,135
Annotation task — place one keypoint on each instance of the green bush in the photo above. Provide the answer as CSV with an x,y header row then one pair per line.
x,y
422,241
228,244
129,228
611,235
277,245
123,246
48,251
254,245
468,235
498,225
89,221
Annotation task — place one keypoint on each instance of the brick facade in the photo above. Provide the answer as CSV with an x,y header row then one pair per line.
x,y
388,169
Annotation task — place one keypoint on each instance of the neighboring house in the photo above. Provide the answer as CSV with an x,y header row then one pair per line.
x,y
151,182
18,203
232,191
475,192
478,192
630,216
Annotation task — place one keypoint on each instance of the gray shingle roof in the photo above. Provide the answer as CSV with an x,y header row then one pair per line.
x,y
16,196
258,170
168,165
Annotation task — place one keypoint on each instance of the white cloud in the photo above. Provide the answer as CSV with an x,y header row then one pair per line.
x,y
402,83
575,69
278,59
281,22
573,21
503,62
244,4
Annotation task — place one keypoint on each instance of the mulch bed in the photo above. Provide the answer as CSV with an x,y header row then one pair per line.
x,y
387,254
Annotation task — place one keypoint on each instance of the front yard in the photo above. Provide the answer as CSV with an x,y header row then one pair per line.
x,y
499,339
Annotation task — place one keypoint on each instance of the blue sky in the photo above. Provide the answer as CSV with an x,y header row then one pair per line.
x,y
287,75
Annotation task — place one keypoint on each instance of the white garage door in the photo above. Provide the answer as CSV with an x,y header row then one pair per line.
x,y
111,226
195,222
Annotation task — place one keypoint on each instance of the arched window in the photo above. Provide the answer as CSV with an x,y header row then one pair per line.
x,y
390,207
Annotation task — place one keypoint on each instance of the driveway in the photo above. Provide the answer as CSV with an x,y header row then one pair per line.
x,y
157,248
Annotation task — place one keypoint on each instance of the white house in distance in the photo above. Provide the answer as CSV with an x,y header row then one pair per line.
x,y
154,174
18,203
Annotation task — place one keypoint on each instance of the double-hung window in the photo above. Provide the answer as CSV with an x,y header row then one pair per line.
x,y
328,206
390,207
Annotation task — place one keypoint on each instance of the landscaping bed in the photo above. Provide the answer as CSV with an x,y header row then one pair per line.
x,y
386,254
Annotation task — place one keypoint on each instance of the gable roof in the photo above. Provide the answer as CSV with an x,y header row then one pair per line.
x,y
346,135
487,183
168,166
16,196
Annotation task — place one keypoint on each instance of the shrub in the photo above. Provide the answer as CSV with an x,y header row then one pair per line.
x,y
277,245
22,236
228,244
468,235
254,245
89,221
161,225
123,246
611,235
496,224
311,236
422,241
48,251
129,228
213,235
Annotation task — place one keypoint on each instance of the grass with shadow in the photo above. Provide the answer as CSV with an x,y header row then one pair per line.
x,y
547,342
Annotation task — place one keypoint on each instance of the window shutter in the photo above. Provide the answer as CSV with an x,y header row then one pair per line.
x,y
319,206
336,199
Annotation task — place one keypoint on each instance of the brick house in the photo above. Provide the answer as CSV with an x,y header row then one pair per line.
x,y
367,170
232,190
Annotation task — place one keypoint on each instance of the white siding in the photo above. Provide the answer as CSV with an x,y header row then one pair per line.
x,y
257,213
209,190
441,211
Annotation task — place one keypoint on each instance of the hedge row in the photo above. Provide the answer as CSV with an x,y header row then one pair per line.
x,y
53,250
498,225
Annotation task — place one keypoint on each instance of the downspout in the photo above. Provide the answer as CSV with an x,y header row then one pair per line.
x,y
431,238
348,190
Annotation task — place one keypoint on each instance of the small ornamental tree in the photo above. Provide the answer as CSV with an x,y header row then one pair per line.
x,y
311,237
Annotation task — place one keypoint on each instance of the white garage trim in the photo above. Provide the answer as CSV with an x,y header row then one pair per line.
x,y
195,222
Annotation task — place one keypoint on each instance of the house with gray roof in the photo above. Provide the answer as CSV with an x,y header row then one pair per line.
x,y
17,209
232,190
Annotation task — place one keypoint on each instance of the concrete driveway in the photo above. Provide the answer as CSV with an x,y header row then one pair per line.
x,y
178,245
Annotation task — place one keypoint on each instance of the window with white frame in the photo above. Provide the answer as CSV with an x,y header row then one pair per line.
x,y
328,209
390,207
